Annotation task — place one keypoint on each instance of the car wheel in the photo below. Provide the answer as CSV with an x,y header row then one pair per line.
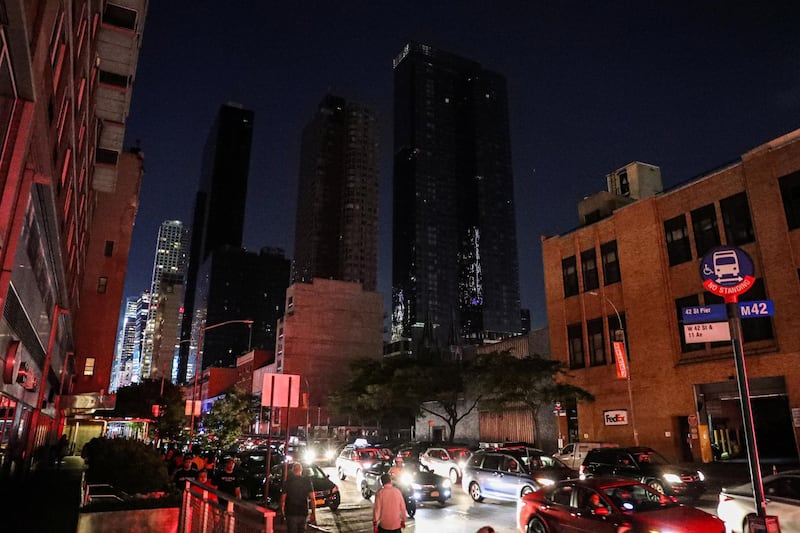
x,y
411,507
453,476
442,502
365,492
656,485
536,526
334,502
341,473
527,489
475,492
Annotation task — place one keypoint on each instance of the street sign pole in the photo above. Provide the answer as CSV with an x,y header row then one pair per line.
x,y
735,323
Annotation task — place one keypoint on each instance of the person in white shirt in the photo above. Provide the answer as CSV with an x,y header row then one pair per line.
x,y
389,512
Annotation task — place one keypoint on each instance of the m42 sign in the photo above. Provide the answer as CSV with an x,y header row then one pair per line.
x,y
756,309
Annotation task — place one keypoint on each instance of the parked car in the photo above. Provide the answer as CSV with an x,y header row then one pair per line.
x,y
448,461
508,473
323,451
417,483
574,453
410,451
782,492
352,461
609,505
252,467
645,465
326,492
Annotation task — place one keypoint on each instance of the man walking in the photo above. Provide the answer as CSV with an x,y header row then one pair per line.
x,y
228,479
297,493
389,513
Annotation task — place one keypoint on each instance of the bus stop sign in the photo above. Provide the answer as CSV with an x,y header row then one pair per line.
x,y
727,271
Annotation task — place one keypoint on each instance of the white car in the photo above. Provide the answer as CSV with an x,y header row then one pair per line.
x,y
446,461
782,493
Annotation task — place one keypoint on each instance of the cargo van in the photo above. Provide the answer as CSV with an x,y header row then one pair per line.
x,y
573,454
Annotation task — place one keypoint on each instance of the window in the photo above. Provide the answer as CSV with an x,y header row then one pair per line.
x,y
589,269
102,285
120,16
88,369
575,341
677,236
597,344
624,184
116,80
704,223
569,271
736,218
790,193
608,252
109,249
108,157
680,303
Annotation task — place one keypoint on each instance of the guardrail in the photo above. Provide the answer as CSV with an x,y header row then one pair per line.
x,y
205,510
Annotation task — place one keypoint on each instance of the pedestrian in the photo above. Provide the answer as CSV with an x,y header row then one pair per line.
x,y
185,472
389,512
297,497
227,480
203,480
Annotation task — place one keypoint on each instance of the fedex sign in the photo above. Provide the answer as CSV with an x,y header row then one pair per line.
x,y
617,417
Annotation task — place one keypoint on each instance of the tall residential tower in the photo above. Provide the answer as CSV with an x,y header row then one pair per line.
x,y
454,234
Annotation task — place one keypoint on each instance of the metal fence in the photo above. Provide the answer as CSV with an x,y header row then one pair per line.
x,y
204,510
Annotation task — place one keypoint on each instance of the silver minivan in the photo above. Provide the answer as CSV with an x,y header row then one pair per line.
x,y
574,453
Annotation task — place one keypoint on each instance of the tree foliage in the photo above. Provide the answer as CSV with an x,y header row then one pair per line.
x,y
230,417
128,465
137,401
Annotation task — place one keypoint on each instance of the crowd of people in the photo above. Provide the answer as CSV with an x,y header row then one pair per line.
x,y
203,468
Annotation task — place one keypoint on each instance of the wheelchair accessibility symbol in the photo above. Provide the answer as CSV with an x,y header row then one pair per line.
x,y
727,271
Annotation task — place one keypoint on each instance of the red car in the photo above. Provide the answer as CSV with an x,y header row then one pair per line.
x,y
609,505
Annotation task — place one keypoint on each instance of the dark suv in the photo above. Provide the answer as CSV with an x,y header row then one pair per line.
x,y
647,466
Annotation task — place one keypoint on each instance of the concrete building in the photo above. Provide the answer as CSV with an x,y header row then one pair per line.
x,y
126,347
69,194
629,274
327,324
336,229
454,248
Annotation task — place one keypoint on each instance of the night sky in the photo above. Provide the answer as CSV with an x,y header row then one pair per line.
x,y
592,86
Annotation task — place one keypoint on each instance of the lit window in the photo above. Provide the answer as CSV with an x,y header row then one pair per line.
x,y
102,285
88,369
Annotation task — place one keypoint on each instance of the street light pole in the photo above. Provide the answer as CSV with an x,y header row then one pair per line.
x,y
198,363
621,331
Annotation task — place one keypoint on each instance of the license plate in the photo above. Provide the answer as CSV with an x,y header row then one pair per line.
x,y
320,501
434,494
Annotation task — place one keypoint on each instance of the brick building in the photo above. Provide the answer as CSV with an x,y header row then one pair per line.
x,y
634,267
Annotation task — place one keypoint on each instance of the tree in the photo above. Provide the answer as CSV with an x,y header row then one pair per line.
x,y
230,416
532,382
137,401
128,465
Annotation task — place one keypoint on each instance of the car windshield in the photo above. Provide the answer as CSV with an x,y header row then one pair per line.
x,y
458,453
649,457
534,462
637,498
314,472
368,454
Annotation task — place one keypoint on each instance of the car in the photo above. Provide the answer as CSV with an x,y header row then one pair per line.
x,y
410,451
645,465
417,483
252,467
353,460
782,493
508,473
446,461
326,492
609,505
323,451
574,453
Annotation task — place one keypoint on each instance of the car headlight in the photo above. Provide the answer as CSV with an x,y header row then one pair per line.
x,y
446,483
701,476
416,486
367,464
545,482
672,478
406,478
329,454
309,456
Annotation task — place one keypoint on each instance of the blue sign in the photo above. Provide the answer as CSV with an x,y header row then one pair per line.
x,y
704,313
727,271
756,309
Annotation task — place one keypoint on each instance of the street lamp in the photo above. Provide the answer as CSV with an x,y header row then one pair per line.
x,y
621,332
198,358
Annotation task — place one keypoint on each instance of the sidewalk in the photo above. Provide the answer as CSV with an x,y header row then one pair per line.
x,y
48,499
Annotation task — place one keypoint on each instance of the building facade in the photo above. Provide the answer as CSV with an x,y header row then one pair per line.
x,y
219,208
336,229
454,233
629,274
67,76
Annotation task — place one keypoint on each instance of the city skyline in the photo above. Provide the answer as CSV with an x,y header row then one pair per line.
x,y
591,88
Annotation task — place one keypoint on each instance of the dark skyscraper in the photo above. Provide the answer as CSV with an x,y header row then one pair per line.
x,y
220,203
336,232
454,235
